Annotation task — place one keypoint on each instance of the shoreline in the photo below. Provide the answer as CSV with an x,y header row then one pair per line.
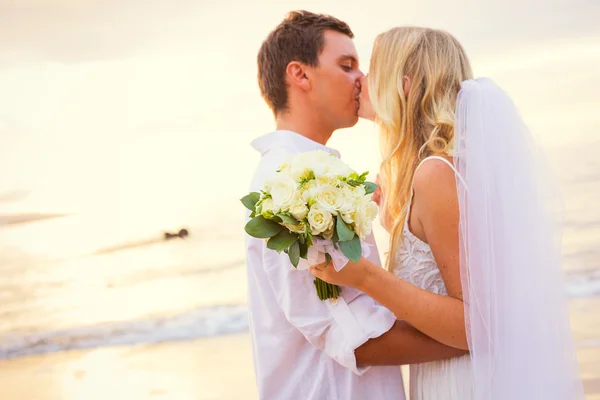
x,y
219,368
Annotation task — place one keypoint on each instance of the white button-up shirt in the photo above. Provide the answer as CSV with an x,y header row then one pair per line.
x,y
304,347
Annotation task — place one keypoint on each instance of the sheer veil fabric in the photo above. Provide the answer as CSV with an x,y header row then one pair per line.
x,y
510,235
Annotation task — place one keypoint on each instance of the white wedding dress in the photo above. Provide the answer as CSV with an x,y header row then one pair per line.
x,y
450,379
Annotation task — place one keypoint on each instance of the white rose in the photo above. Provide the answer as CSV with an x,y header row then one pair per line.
x,y
318,161
300,164
350,203
328,234
360,192
329,197
320,220
299,210
322,181
267,185
305,194
348,217
336,167
300,228
285,168
300,173
348,190
371,210
283,191
268,207
361,227
364,217
311,188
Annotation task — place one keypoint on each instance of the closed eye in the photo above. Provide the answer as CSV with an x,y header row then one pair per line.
x,y
347,68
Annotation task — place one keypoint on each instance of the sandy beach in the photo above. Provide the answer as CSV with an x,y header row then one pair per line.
x,y
205,369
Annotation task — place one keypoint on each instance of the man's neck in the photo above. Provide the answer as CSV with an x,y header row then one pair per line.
x,y
305,127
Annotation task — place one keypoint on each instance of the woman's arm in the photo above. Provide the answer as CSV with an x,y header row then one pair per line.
x,y
440,317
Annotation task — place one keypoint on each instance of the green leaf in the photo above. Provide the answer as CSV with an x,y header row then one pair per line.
x,y
260,227
343,231
294,254
249,201
282,240
351,249
335,238
309,239
303,249
270,216
370,187
288,219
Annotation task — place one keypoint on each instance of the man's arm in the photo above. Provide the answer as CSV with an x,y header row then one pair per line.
x,y
336,328
402,345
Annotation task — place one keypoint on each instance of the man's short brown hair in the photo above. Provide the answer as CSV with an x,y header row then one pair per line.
x,y
299,37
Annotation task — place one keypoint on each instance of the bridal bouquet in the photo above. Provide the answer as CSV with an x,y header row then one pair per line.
x,y
316,208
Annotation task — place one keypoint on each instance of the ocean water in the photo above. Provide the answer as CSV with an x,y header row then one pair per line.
x,y
83,281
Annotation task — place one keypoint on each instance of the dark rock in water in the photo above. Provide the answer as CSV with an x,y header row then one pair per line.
x,y
183,233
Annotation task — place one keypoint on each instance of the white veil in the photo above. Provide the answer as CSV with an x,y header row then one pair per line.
x,y
510,233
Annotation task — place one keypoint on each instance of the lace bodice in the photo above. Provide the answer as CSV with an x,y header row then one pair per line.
x,y
415,264
414,259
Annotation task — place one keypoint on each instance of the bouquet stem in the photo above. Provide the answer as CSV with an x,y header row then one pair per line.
x,y
327,290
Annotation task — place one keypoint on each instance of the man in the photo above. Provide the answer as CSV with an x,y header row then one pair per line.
x,y
305,348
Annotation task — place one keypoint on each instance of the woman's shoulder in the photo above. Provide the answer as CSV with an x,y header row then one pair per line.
x,y
435,175
435,192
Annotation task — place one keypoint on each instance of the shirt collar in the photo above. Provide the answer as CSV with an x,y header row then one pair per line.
x,y
289,140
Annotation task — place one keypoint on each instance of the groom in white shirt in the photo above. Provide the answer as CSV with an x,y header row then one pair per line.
x,y
304,348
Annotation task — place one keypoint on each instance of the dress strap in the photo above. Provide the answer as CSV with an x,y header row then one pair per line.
x,y
445,161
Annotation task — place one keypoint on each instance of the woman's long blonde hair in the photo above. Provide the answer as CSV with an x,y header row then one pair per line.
x,y
420,123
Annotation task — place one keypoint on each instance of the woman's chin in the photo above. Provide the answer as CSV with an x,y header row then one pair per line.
x,y
367,117
363,115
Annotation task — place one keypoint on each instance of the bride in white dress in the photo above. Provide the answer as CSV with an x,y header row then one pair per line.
x,y
468,204
415,263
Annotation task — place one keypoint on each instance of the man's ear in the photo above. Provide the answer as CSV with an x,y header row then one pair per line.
x,y
297,75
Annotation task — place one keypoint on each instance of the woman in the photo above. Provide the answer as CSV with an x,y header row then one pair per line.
x,y
474,260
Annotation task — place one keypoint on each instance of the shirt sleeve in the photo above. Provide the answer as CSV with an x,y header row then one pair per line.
x,y
335,327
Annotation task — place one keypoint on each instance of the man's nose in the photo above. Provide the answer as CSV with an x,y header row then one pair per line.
x,y
359,79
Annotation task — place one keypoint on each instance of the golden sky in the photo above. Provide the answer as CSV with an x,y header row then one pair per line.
x,y
126,105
